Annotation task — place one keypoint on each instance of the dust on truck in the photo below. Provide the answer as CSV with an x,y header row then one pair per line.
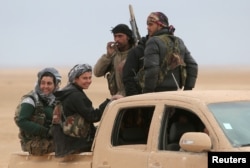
x,y
165,129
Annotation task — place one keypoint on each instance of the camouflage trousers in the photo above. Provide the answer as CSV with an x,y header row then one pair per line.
x,y
38,146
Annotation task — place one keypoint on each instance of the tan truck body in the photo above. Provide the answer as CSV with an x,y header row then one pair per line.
x,y
108,151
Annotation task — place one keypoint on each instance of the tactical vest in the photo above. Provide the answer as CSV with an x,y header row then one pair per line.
x,y
38,116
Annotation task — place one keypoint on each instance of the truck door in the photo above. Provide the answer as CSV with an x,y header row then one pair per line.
x,y
127,142
167,152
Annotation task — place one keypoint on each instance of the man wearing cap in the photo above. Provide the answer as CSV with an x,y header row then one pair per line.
x,y
111,63
155,53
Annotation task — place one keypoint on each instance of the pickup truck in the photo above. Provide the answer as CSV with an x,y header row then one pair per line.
x,y
165,129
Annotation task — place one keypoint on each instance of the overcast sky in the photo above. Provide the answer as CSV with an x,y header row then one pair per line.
x,y
66,32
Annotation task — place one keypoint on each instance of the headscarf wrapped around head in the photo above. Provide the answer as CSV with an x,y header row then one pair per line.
x,y
158,18
77,70
50,99
51,70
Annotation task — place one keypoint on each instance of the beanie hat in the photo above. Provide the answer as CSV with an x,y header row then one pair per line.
x,y
123,28
158,18
51,70
77,70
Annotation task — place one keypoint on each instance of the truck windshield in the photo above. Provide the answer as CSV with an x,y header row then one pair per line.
x,y
234,120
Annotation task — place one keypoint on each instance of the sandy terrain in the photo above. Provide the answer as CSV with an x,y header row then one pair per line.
x,y
15,83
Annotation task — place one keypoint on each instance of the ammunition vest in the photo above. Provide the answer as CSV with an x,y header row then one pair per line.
x,y
38,116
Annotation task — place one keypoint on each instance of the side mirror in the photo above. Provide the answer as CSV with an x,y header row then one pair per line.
x,y
195,142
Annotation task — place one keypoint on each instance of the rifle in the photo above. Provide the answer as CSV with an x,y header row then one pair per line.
x,y
133,24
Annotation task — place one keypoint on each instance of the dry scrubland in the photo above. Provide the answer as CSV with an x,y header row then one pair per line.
x,y
15,83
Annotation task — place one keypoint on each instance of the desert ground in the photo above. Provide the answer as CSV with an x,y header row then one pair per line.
x,y
16,82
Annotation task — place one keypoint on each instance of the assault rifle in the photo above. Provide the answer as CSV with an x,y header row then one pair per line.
x,y
133,24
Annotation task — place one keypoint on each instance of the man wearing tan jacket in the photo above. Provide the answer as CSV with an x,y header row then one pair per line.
x,y
110,65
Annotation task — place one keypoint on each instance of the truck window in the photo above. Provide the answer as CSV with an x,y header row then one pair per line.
x,y
175,123
132,126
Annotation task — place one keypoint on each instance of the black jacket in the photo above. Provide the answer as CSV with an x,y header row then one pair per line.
x,y
132,65
154,53
74,100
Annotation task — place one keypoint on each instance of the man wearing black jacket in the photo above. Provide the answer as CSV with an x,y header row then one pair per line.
x,y
155,53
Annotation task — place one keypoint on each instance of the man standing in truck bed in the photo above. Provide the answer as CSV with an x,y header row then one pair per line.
x,y
111,64
168,64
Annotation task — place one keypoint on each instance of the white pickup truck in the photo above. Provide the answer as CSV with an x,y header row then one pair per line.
x,y
169,129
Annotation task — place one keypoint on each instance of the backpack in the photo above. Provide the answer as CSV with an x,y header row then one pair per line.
x,y
171,61
74,125
39,116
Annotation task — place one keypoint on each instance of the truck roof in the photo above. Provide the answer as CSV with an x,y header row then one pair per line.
x,y
206,96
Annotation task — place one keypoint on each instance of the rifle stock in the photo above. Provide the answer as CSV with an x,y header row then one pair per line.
x,y
133,24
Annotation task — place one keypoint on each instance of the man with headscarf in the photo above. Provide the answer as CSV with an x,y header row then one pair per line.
x,y
155,53
111,64
75,102
33,115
